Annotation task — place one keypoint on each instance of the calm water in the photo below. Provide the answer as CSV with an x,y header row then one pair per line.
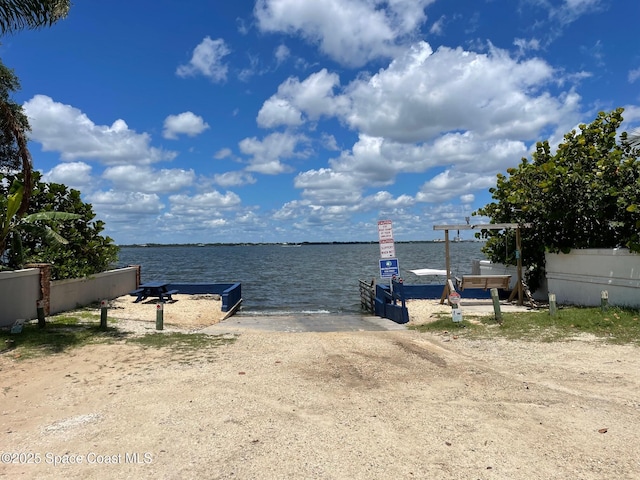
x,y
309,278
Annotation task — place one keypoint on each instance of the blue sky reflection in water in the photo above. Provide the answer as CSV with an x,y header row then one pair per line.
x,y
309,278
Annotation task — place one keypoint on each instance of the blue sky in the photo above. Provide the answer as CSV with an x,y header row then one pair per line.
x,y
291,121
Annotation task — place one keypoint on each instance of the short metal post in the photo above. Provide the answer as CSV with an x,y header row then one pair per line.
x,y
40,312
604,300
103,314
160,316
496,304
552,305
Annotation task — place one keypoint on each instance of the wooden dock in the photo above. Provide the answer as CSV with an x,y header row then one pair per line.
x,y
368,295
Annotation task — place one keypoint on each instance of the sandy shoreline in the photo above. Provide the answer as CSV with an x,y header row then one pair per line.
x,y
347,405
187,313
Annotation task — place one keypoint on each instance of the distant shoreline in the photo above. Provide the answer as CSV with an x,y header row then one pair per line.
x,y
250,244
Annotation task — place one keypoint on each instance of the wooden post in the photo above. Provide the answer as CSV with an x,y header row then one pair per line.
x,y
367,295
496,304
552,305
40,312
445,293
447,289
446,254
519,289
103,314
519,264
45,284
160,316
604,300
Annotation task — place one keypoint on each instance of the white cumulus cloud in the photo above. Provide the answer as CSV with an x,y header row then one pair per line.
x,y
266,154
314,96
117,202
186,123
207,60
133,178
65,129
424,93
72,174
351,32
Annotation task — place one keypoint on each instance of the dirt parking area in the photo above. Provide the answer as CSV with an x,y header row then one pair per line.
x,y
342,405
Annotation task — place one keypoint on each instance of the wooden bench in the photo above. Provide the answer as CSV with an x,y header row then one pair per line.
x,y
484,282
169,293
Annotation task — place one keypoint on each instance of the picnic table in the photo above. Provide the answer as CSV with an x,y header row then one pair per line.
x,y
153,289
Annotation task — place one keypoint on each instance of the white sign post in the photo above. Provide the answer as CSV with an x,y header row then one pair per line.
x,y
385,238
388,262
385,230
387,249
456,311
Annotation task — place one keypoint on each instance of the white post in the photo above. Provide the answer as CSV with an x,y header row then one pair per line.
x,y
552,305
604,300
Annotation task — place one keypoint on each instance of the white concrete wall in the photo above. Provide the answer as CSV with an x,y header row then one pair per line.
x,y
579,277
19,292
73,293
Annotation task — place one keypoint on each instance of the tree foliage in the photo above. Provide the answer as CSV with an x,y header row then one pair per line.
x,y
9,154
75,248
17,15
13,226
586,194
9,205
14,154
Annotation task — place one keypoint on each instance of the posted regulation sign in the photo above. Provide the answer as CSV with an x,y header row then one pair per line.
x,y
389,267
385,237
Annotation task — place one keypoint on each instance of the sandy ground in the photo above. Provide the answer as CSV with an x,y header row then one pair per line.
x,y
349,405
186,313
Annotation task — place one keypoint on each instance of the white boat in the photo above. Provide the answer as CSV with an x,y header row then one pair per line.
x,y
428,271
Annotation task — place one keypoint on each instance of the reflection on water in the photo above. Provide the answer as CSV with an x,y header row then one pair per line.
x,y
307,279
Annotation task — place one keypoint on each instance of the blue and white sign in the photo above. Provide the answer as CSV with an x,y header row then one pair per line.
x,y
389,267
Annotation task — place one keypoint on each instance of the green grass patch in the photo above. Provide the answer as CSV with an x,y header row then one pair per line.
x,y
445,324
614,325
185,348
66,331
182,342
57,336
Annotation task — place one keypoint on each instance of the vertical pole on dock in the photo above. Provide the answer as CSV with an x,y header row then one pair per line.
x,y
447,259
103,315
552,305
40,312
447,288
160,316
604,300
519,265
496,305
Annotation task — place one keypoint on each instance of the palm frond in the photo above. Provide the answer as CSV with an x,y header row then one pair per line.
x,y
54,216
17,15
